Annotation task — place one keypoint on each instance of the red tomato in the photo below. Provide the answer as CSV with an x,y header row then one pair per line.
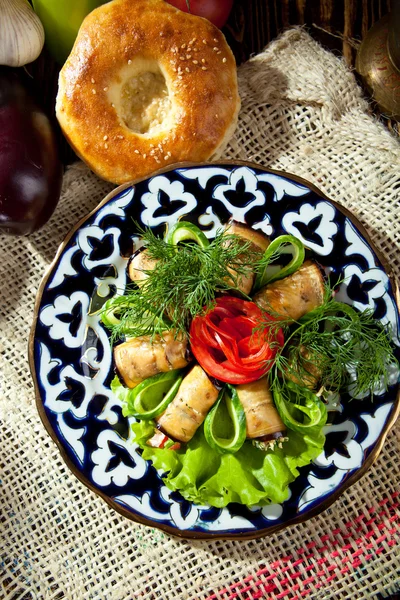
x,y
216,11
226,344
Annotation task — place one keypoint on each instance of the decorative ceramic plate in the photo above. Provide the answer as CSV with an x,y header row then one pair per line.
x,y
71,358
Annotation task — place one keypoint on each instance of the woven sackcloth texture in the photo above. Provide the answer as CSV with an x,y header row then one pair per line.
x,y
301,112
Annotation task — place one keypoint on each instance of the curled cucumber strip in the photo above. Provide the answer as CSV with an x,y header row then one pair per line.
x,y
277,247
225,430
299,408
110,312
152,396
184,231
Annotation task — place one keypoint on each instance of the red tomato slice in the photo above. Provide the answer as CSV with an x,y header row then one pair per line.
x,y
227,344
242,326
224,371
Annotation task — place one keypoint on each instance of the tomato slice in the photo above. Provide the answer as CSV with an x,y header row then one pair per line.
x,y
228,343
243,326
224,371
208,336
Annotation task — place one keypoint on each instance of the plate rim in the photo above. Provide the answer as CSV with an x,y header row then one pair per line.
x,y
119,508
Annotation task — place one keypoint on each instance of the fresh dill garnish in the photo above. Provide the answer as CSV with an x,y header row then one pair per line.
x,y
183,284
333,344
337,346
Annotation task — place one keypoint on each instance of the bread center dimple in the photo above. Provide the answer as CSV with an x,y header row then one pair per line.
x,y
145,103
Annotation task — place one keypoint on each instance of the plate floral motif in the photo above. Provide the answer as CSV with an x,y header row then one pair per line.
x,y
71,358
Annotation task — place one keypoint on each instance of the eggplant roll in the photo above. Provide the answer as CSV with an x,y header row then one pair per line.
x,y
190,406
138,264
302,369
259,242
140,357
262,418
295,295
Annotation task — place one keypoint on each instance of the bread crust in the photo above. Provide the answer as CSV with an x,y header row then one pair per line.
x,y
199,70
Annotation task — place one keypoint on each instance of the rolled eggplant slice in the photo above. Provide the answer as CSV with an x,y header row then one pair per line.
x,y
302,369
262,418
259,240
138,264
259,243
295,295
190,406
142,357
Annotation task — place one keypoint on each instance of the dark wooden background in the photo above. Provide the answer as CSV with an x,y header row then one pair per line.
x,y
339,25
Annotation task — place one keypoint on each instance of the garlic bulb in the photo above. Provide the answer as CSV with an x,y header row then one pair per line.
x,y
22,33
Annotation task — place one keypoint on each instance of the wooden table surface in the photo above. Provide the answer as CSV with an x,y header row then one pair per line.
x,y
339,25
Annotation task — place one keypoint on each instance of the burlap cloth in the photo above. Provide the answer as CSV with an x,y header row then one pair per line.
x,y
301,112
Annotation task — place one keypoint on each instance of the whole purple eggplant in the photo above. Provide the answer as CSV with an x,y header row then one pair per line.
x,y
30,170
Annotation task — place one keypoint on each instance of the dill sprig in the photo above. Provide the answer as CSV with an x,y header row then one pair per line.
x,y
338,346
183,284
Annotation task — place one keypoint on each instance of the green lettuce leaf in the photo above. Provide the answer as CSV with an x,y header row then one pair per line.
x,y
250,476
299,408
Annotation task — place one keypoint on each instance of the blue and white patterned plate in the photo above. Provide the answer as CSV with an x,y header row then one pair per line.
x,y
71,359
